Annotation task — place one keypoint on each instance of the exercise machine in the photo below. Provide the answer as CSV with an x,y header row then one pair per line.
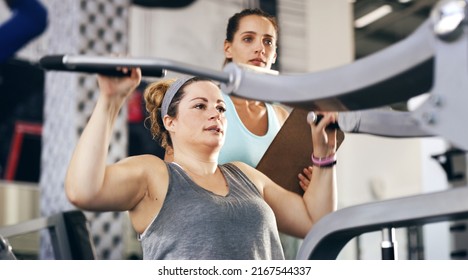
x,y
432,61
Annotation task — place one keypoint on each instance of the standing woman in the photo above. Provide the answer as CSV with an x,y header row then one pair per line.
x,y
192,207
251,38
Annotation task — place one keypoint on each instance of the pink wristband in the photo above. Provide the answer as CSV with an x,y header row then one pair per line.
x,y
325,161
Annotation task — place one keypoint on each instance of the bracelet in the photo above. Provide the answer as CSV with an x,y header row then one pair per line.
x,y
328,161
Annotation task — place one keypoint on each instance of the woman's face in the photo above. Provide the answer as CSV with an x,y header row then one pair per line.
x,y
254,43
200,118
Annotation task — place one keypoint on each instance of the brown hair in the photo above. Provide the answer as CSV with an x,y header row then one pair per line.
x,y
234,21
154,95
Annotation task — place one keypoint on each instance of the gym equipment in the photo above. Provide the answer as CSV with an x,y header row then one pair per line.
x,y
6,252
333,231
69,234
433,60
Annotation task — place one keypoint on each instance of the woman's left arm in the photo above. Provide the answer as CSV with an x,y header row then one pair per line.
x,y
320,196
297,214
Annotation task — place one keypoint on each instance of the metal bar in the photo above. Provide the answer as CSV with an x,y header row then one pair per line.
x,y
25,227
59,238
332,232
56,227
381,122
388,244
394,74
146,63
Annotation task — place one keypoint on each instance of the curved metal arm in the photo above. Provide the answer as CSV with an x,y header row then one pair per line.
x,y
152,66
431,60
395,74
332,232
381,122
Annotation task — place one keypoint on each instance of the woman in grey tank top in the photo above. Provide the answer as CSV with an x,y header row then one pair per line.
x,y
193,208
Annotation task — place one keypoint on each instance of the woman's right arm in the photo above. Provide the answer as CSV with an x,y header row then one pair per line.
x,y
90,184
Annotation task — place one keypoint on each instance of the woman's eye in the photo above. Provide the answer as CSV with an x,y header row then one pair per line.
x,y
221,109
200,106
268,42
247,39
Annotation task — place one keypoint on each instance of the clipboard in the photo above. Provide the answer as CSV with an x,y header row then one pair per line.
x,y
289,152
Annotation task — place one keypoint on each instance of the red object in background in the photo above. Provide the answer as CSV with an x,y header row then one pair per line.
x,y
135,108
21,128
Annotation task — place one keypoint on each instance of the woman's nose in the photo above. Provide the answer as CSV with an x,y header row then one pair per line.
x,y
215,114
259,47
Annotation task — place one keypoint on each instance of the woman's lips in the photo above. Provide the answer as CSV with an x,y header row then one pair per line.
x,y
214,128
257,62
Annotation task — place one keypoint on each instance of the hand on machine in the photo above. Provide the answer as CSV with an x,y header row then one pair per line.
x,y
316,118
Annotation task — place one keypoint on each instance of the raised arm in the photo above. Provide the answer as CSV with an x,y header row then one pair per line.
x,y
90,184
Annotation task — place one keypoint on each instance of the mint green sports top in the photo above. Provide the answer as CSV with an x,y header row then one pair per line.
x,y
241,144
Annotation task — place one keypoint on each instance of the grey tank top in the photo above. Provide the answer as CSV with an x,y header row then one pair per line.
x,y
195,223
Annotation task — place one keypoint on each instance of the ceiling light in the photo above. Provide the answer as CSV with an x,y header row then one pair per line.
x,y
373,16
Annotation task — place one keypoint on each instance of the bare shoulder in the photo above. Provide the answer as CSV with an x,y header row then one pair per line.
x,y
148,164
242,166
140,159
151,171
281,113
156,170
148,158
